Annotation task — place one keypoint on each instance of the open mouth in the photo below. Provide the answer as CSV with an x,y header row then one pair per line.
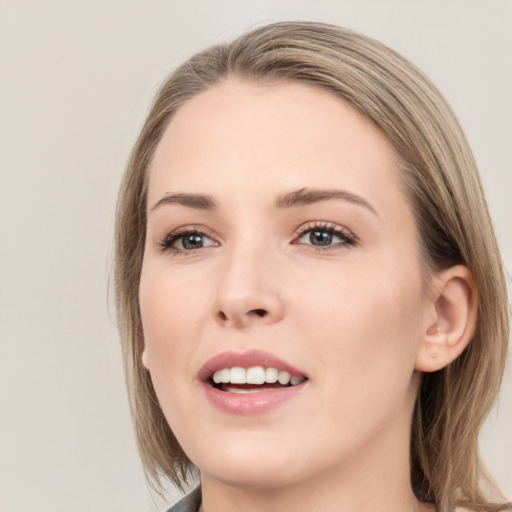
x,y
253,380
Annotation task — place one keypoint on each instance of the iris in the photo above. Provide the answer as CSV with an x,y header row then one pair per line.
x,y
320,237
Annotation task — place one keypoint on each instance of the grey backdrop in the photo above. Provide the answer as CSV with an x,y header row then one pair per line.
x,y
76,79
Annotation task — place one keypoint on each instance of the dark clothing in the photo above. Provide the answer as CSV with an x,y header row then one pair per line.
x,y
190,503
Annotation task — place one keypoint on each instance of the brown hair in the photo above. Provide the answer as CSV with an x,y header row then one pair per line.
x,y
441,181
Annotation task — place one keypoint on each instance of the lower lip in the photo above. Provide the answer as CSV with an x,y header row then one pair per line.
x,y
250,403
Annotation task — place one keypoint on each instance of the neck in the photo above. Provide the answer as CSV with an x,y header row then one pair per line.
x,y
326,495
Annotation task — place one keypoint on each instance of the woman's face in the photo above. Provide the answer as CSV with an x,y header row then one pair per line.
x,y
280,245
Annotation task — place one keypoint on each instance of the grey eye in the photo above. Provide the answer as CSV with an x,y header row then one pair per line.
x,y
321,237
193,241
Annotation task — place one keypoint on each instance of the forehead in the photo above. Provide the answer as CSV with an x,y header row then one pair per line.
x,y
261,138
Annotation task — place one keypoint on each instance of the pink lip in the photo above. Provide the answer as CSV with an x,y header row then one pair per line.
x,y
250,403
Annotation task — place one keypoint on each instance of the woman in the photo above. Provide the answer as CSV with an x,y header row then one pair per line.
x,y
310,294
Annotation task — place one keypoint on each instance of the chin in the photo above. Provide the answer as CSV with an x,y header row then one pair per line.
x,y
252,477
251,470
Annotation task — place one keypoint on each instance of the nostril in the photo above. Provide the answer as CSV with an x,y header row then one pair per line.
x,y
225,318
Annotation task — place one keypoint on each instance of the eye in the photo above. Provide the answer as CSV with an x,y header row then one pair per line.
x,y
186,240
325,235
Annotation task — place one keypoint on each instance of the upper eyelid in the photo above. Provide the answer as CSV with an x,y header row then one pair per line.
x,y
194,228
304,226
329,226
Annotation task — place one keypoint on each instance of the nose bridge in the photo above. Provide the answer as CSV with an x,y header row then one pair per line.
x,y
247,291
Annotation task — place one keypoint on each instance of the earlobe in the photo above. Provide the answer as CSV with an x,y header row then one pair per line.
x,y
455,302
144,359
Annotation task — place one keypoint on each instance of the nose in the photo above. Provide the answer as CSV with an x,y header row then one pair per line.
x,y
248,291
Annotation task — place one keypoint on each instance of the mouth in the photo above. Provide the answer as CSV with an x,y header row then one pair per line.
x,y
254,379
250,382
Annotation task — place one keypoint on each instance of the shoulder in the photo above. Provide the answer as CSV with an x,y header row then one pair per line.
x,y
190,503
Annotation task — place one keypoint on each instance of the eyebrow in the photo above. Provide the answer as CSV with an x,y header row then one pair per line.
x,y
305,196
294,199
197,201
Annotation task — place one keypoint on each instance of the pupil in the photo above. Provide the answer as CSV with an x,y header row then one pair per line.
x,y
192,241
320,237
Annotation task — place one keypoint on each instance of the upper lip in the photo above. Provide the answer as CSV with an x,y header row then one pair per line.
x,y
246,359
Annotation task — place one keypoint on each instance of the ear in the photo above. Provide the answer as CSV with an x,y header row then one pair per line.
x,y
144,358
455,302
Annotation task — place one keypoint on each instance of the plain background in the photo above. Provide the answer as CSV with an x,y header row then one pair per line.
x,y
76,79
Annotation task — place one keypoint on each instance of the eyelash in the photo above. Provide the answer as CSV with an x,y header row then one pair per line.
x,y
348,239
166,245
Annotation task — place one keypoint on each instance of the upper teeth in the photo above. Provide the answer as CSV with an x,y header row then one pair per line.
x,y
254,375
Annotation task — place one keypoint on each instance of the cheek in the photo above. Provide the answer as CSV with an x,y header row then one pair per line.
x,y
172,312
364,322
361,336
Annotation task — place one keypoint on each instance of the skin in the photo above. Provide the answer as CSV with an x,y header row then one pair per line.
x,y
357,318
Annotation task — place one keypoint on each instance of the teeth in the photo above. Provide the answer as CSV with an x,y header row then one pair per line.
x,y
284,378
221,376
296,380
271,375
242,391
238,375
224,375
255,375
